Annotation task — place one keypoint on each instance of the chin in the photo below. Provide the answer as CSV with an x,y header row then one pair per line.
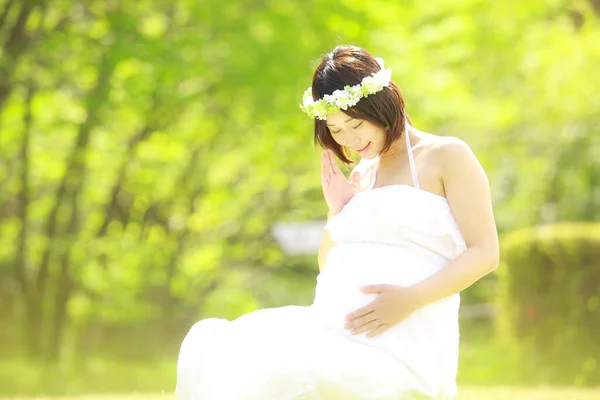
x,y
369,155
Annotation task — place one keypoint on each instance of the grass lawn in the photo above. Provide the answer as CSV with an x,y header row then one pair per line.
x,y
509,393
466,393
487,371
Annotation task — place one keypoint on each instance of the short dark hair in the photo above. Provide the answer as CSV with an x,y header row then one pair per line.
x,y
348,65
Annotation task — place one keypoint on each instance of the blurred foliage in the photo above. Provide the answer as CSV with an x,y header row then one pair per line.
x,y
147,147
550,300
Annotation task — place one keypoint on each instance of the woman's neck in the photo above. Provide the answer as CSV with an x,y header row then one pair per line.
x,y
398,152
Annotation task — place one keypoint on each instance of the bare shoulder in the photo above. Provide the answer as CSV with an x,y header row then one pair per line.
x,y
452,154
447,154
461,173
449,148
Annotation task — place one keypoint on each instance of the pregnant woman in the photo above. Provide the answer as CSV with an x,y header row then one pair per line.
x,y
410,229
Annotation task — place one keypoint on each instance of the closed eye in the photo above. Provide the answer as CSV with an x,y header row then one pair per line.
x,y
354,127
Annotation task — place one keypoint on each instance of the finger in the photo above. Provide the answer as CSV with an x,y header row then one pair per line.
x,y
369,326
361,312
327,165
360,321
356,180
373,288
331,162
336,167
324,164
378,330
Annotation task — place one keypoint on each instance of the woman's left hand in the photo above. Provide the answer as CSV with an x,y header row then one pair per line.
x,y
394,304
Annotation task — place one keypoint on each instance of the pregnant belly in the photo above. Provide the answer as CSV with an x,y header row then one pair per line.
x,y
350,266
426,341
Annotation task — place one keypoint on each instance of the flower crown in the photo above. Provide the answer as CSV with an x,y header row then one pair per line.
x,y
342,99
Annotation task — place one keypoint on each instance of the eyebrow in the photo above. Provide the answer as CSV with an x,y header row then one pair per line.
x,y
344,121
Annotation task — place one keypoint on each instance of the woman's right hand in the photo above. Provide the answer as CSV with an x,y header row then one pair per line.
x,y
336,188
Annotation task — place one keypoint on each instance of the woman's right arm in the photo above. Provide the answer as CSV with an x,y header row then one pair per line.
x,y
326,244
337,191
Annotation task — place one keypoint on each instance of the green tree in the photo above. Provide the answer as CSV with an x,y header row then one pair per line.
x,y
146,147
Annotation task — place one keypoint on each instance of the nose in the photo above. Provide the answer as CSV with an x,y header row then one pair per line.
x,y
352,142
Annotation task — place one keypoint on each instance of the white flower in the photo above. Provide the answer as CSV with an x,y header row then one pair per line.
x,y
342,98
318,110
384,77
329,99
348,97
307,99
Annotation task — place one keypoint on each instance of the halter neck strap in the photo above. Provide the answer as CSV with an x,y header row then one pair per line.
x,y
411,160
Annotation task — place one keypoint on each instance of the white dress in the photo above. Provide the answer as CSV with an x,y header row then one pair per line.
x,y
397,234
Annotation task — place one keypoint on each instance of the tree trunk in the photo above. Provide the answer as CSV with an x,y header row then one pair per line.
x,y
13,49
65,283
595,6
32,307
69,186
5,12
63,293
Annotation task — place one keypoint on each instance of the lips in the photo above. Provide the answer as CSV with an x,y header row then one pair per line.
x,y
364,148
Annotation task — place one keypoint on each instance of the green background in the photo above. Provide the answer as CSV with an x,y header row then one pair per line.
x,y
147,148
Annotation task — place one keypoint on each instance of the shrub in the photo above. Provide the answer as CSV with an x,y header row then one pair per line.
x,y
549,300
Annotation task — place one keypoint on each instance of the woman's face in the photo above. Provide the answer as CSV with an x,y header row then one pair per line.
x,y
359,135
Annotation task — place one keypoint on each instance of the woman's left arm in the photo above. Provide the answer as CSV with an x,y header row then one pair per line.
x,y
468,193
